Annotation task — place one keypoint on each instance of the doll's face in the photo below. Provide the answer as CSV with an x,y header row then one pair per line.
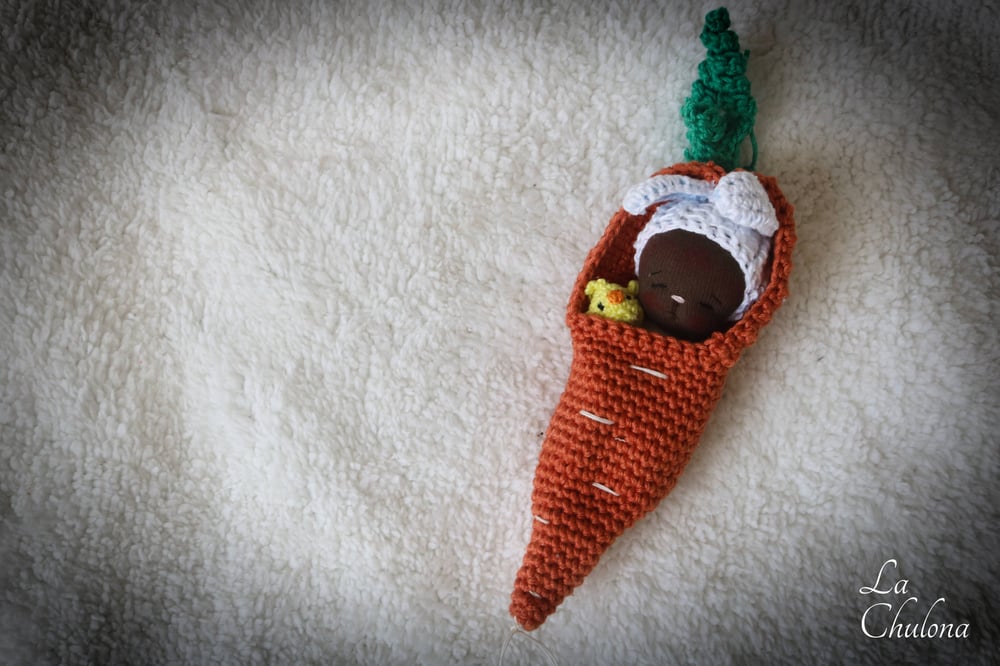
x,y
688,285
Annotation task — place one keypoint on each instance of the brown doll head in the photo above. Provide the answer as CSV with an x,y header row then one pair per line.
x,y
688,285
701,258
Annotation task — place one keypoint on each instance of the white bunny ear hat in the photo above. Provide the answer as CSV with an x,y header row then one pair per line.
x,y
736,214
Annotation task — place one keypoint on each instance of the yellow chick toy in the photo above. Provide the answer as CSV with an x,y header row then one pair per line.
x,y
614,301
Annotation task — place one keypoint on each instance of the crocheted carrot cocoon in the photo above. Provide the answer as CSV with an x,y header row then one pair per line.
x,y
633,410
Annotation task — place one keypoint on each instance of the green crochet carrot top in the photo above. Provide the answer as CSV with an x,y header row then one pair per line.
x,y
720,112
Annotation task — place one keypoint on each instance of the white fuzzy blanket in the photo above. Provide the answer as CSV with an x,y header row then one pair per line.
x,y
281,326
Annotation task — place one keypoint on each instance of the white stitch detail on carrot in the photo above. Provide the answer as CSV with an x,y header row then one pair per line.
x,y
601,486
620,439
534,594
541,520
595,417
655,373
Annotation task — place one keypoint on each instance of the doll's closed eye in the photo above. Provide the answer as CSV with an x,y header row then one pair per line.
x,y
712,303
656,285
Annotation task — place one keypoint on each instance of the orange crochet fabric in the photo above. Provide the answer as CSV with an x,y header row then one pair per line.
x,y
634,407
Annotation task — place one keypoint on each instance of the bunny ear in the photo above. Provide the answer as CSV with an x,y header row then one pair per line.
x,y
740,197
659,188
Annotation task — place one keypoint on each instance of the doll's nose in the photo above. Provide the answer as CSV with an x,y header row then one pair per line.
x,y
616,296
677,299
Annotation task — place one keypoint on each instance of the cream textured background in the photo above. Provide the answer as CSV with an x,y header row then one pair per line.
x,y
281,326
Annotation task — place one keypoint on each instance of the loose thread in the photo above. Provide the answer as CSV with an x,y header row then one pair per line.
x,y
753,158
549,657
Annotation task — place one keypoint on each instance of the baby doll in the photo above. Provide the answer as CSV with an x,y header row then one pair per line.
x,y
701,258
711,248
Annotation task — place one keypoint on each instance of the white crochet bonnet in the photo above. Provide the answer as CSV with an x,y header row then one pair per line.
x,y
735,213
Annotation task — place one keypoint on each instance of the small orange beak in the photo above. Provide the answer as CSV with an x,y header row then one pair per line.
x,y
616,296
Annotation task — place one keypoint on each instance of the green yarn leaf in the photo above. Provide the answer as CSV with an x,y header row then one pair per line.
x,y
720,112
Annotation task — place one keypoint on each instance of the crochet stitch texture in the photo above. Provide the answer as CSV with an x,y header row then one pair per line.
x,y
634,407
720,113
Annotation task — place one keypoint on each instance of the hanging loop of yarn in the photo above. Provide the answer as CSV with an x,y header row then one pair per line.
x,y
720,112
515,631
